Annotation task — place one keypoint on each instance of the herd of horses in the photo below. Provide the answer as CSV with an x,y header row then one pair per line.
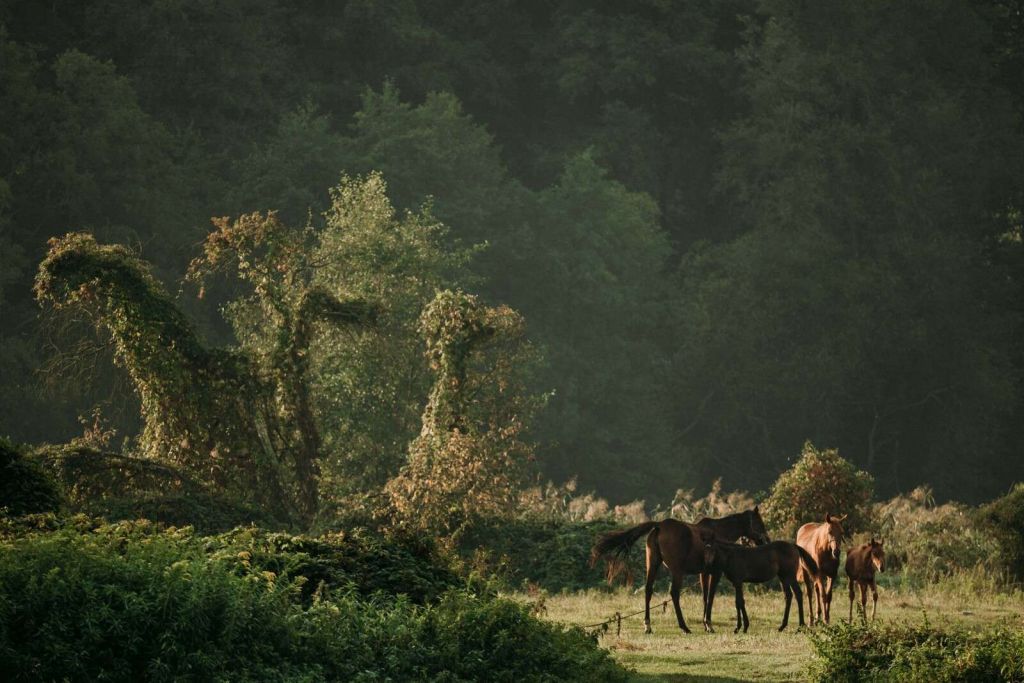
x,y
737,546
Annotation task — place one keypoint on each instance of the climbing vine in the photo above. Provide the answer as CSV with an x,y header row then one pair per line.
x,y
202,408
471,455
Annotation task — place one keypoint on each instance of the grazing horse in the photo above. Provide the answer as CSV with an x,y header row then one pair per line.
x,y
730,529
861,564
821,541
743,564
678,544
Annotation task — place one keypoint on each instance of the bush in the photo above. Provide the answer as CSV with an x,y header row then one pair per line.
x,y
120,487
930,541
137,602
24,486
821,482
900,652
551,554
1004,519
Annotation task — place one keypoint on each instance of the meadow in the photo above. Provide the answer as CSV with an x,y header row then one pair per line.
x,y
762,654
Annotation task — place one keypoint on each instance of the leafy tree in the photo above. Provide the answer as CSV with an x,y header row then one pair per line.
x,y
370,388
587,278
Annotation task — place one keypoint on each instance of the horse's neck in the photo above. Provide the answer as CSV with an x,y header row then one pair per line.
x,y
821,538
727,528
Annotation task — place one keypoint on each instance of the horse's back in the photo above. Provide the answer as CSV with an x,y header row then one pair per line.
x,y
858,562
680,545
805,535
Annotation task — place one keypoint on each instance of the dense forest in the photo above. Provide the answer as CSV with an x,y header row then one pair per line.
x,y
677,240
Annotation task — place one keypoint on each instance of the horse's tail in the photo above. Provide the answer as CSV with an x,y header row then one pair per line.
x,y
806,558
617,543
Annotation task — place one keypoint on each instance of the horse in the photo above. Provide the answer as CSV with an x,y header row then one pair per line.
x,y
821,541
743,564
861,564
678,544
729,529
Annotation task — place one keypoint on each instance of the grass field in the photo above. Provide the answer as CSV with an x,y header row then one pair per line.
x,y
763,654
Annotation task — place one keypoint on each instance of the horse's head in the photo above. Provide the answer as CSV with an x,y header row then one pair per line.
x,y
835,533
877,554
755,526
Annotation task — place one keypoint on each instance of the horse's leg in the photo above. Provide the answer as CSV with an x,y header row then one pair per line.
x,y
789,601
864,601
799,601
874,598
712,590
829,583
851,600
743,605
819,600
705,588
809,585
653,562
740,606
677,584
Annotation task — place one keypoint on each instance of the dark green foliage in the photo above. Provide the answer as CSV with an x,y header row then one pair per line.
x,y
119,487
836,187
25,487
920,653
132,602
359,560
547,553
1004,519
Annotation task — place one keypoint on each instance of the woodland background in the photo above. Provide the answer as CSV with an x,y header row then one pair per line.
x,y
729,226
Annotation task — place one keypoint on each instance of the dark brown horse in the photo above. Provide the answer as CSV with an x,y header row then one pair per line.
x,y
821,541
730,529
861,565
679,545
743,564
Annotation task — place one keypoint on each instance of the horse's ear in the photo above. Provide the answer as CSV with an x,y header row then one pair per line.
x,y
873,542
843,518
756,508
828,518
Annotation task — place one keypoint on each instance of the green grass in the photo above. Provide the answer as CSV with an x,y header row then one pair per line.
x,y
763,654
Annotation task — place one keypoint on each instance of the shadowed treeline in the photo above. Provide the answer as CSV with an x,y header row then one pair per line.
x,y
729,227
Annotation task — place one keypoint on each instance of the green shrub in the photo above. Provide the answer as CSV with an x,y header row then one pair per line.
x,y
24,486
120,487
133,601
549,553
929,541
821,482
901,652
1004,519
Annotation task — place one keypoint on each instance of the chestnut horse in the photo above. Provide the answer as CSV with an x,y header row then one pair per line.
x,y
743,564
821,541
678,544
729,529
861,564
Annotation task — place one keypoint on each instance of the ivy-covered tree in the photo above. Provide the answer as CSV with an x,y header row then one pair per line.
x,y
280,320
204,410
470,457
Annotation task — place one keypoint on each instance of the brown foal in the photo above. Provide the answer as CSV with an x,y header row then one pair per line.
x,y
861,565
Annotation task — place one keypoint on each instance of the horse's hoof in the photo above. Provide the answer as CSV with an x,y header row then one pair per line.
x,y
736,630
686,630
708,628
648,630
782,628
